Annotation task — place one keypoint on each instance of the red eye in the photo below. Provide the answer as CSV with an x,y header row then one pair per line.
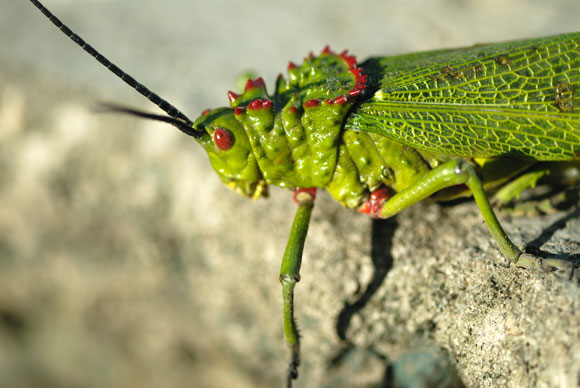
x,y
223,139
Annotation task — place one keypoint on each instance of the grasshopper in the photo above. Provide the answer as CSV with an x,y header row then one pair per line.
x,y
387,133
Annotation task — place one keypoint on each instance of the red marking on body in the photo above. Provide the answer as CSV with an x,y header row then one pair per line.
x,y
260,104
375,202
341,100
292,109
224,139
354,92
361,84
312,103
257,83
359,79
238,110
233,96
349,59
255,105
304,196
205,112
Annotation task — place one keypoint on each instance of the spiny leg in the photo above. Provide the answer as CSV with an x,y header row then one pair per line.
x,y
457,172
454,172
290,274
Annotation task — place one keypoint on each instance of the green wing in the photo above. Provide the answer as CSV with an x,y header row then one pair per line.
x,y
517,99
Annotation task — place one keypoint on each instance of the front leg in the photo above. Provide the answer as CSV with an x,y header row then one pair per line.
x,y
454,172
458,172
290,274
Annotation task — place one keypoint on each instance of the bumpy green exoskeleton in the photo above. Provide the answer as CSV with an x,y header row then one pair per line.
x,y
293,135
390,132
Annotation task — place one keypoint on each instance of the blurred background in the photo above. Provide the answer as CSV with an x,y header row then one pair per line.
x,y
124,261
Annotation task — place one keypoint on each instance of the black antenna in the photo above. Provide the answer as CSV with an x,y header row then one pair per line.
x,y
178,119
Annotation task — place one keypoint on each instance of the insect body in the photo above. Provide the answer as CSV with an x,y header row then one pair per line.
x,y
384,134
402,117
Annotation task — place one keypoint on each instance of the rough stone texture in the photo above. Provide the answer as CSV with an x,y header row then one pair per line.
x,y
124,262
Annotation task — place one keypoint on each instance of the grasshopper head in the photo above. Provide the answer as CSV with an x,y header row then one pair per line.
x,y
229,151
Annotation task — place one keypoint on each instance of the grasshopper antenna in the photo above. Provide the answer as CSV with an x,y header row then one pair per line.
x,y
177,122
177,118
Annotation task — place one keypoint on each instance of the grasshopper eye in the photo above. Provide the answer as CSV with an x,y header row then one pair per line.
x,y
223,139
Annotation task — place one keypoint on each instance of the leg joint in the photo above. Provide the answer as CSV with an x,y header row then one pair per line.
x,y
289,279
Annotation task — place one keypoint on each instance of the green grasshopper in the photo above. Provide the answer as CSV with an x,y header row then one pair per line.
x,y
389,132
